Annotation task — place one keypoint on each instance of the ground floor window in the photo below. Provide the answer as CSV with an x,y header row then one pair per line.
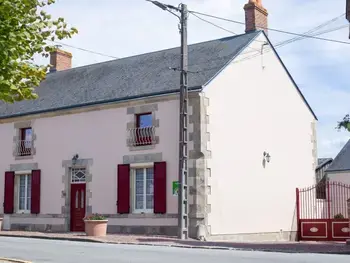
x,y
24,192
143,182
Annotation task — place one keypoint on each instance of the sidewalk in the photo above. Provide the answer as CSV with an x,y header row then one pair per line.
x,y
291,247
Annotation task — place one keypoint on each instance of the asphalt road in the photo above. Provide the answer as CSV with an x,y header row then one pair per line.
x,y
37,250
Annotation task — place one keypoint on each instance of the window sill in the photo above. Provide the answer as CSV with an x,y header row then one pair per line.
x,y
142,147
24,212
24,157
141,216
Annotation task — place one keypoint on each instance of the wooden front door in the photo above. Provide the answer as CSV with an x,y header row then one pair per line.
x,y
77,204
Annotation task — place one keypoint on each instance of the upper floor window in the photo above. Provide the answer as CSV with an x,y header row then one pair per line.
x,y
24,144
144,129
144,120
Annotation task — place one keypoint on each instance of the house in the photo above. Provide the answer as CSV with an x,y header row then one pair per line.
x,y
339,170
322,165
104,138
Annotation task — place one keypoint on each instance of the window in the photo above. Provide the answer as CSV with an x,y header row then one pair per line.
x,y
143,189
144,129
24,193
25,142
144,120
78,175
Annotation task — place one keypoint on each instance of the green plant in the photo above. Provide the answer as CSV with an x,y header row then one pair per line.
x,y
26,30
339,216
95,217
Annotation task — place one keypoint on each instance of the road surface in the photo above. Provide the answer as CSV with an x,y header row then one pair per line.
x,y
37,250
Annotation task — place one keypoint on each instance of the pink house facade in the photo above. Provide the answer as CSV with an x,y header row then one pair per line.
x,y
104,139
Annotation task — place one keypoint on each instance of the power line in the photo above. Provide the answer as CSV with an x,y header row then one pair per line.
x,y
86,50
280,44
272,29
311,31
258,53
222,28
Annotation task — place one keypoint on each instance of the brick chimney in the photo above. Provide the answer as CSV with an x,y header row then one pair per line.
x,y
255,16
60,60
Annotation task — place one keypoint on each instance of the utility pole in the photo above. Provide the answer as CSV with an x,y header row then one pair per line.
x,y
183,220
183,147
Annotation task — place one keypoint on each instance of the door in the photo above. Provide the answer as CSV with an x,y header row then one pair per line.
x,y
77,205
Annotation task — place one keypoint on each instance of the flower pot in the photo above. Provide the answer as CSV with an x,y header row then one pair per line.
x,y
96,228
1,223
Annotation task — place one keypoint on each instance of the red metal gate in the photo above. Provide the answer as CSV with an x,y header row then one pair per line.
x,y
322,212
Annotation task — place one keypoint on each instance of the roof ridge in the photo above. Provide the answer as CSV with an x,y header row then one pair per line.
x,y
152,52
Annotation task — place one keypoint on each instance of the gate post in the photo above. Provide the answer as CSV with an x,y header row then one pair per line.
x,y
298,213
348,241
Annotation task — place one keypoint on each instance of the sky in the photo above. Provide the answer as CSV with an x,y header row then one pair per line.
x,y
121,28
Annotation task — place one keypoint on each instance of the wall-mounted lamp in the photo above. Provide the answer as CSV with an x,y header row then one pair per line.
x,y
75,159
267,156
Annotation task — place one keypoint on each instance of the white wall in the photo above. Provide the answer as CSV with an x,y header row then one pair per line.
x,y
254,107
100,135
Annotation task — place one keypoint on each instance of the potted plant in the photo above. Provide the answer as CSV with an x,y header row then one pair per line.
x,y
96,225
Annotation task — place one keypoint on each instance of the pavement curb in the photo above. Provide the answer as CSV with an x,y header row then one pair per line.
x,y
272,250
14,260
56,238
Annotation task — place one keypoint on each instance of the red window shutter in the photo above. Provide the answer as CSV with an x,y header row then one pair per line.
x,y
35,193
9,192
160,188
123,188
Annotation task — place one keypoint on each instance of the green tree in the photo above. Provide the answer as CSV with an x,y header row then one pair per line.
x,y
345,123
26,30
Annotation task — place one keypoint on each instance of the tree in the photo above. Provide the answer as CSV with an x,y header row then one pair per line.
x,y
26,30
345,123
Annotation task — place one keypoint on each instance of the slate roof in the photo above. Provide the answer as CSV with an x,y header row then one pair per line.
x,y
342,160
131,77
323,161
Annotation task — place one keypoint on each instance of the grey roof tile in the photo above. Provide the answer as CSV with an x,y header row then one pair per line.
x,y
129,77
342,160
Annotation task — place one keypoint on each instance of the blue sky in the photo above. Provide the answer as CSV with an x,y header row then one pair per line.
x,y
123,28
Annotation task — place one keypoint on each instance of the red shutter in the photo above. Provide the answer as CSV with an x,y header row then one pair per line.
x,y
160,188
35,193
123,188
9,192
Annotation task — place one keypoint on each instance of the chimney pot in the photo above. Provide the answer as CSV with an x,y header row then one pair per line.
x,y
255,16
60,60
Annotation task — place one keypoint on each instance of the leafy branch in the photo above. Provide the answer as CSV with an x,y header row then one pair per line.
x,y
25,30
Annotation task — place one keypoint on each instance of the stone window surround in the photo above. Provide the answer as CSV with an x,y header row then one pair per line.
x,y
139,109
19,169
142,160
18,126
66,180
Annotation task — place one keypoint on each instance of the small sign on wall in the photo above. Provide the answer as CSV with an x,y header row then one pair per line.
x,y
175,188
